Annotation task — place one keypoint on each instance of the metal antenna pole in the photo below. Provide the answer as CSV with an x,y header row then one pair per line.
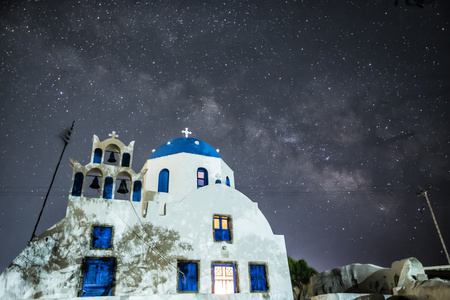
x,y
425,194
66,139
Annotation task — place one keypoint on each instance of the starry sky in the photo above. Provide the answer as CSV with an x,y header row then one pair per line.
x,y
332,114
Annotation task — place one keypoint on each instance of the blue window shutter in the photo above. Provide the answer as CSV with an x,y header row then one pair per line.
x,y
163,181
126,160
137,191
107,191
77,184
228,181
258,278
98,277
218,234
188,282
98,156
102,237
226,234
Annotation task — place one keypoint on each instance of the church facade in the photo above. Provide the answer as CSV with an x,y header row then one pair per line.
x,y
178,229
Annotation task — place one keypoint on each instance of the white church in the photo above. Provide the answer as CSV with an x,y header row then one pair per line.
x,y
178,229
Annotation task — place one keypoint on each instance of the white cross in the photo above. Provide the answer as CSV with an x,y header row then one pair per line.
x,y
113,135
186,132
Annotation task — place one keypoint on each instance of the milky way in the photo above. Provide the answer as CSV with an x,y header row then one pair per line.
x,y
333,114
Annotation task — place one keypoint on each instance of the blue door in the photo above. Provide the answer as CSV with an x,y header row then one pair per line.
x,y
98,275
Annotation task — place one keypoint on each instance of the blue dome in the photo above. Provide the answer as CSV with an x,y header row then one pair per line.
x,y
185,145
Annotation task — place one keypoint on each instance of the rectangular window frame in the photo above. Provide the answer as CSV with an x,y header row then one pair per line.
x,y
229,224
82,272
235,275
197,262
266,274
92,236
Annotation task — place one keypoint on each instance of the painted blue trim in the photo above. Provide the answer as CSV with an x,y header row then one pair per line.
x,y
77,184
185,145
258,282
137,191
98,277
101,237
188,282
234,274
163,181
98,156
108,189
126,160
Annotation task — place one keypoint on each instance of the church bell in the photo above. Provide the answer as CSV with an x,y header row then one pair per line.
x,y
111,158
123,187
94,185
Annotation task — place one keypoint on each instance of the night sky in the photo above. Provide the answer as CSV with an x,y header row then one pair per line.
x,y
330,113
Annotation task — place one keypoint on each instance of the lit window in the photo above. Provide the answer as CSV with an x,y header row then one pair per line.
x,y
202,177
258,281
224,279
101,237
187,277
222,228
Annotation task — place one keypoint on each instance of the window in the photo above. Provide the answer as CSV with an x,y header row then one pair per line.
x,y
137,191
187,277
77,184
222,228
107,191
98,276
224,278
92,184
163,181
98,156
202,177
101,237
218,181
228,181
122,187
126,160
258,281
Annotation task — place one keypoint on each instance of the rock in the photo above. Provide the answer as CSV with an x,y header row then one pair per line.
x,y
341,280
409,270
433,289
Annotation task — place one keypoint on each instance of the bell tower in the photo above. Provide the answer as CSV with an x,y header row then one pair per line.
x,y
108,175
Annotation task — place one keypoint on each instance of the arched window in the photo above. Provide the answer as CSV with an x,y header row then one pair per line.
x,y
163,181
108,189
137,191
202,177
123,182
98,156
126,160
77,184
112,155
93,184
218,181
228,181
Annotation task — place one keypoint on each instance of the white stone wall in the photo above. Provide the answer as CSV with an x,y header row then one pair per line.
x,y
150,236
